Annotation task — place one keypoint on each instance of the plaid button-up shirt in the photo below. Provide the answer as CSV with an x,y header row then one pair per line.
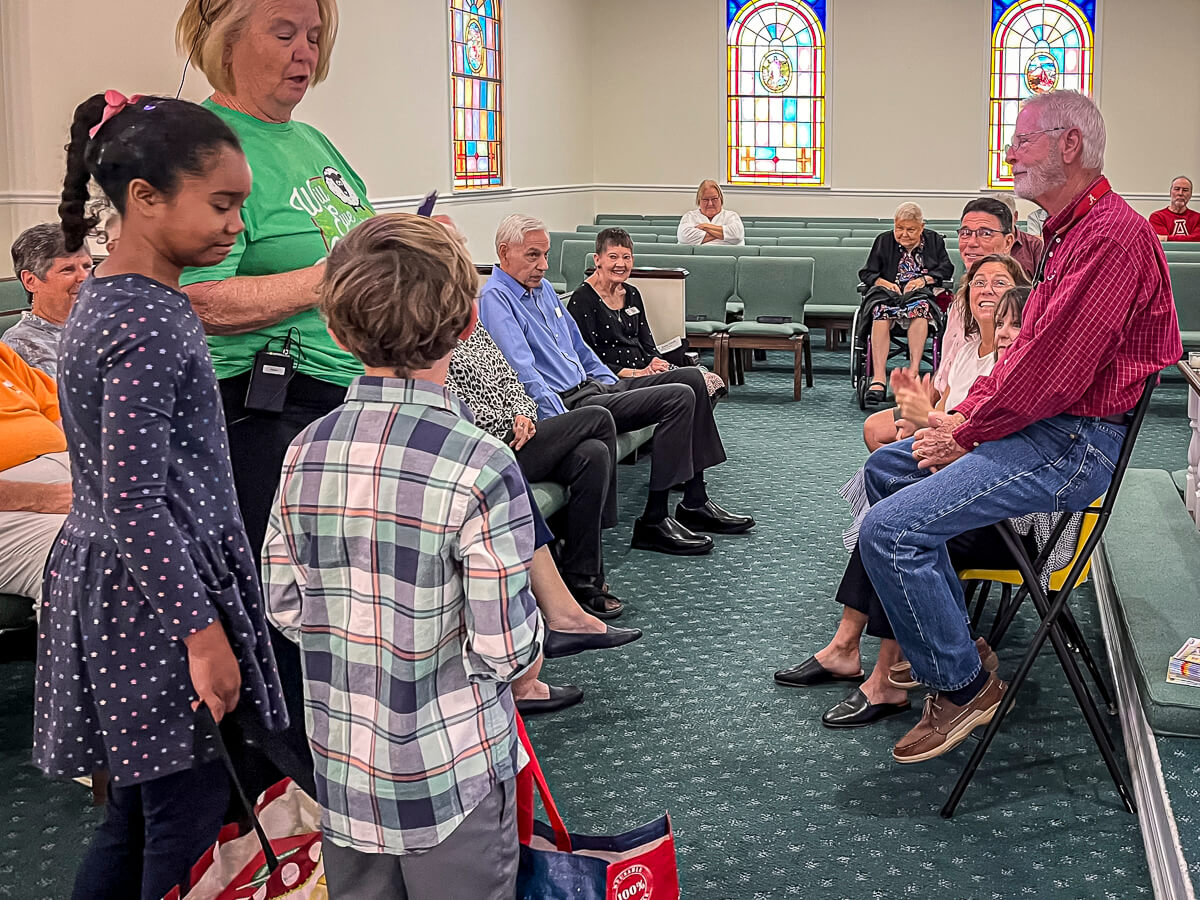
x,y
397,556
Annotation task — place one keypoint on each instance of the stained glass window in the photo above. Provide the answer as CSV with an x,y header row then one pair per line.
x,y
476,87
1037,46
776,92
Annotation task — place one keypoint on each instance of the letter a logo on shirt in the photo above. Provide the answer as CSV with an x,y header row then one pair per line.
x,y
1180,227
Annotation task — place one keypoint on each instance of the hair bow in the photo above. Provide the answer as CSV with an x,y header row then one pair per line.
x,y
114,102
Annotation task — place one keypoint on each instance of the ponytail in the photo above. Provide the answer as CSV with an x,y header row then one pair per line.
x,y
72,210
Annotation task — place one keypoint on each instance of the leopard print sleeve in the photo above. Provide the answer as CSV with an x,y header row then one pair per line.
x,y
482,378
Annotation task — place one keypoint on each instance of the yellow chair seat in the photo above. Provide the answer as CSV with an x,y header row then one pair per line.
x,y
1057,579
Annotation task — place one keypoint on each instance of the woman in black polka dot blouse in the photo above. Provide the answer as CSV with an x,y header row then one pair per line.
x,y
151,602
612,318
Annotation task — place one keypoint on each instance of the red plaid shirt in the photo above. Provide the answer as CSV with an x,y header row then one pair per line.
x,y
1101,321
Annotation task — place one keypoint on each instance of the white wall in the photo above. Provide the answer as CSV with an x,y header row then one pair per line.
x,y
670,51
615,106
385,104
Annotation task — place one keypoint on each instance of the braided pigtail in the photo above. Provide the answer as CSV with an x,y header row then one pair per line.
x,y
72,210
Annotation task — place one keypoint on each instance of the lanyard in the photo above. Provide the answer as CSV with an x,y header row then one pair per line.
x,y
1081,208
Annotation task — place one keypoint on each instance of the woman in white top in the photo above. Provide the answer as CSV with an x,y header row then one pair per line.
x,y
989,280
1002,273
711,223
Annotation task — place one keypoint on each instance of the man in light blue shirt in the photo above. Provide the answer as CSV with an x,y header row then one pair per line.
x,y
542,343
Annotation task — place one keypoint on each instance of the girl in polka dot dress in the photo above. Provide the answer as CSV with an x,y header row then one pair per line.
x,y
151,603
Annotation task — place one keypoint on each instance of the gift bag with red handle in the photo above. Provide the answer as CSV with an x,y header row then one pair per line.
x,y
557,865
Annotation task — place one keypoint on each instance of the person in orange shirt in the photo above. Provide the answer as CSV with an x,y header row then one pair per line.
x,y
35,477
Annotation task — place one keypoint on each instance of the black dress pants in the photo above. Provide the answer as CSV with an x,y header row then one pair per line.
x,y
578,450
686,440
980,548
258,442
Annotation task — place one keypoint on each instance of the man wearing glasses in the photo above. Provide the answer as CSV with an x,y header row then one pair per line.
x,y
1042,433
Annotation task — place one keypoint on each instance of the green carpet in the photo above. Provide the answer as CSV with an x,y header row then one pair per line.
x,y
765,802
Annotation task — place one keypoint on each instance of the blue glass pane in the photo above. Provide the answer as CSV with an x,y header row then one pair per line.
x,y
764,152
789,109
483,92
492,125
1038,31
803,135
771,30
470,148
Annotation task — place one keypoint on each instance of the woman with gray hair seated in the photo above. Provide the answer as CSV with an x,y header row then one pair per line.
x,y
903,267
711,222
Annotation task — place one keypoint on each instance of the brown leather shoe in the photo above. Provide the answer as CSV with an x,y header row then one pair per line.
x,y
900,674
944,726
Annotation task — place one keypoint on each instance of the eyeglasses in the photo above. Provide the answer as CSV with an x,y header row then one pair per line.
x,y
1020,140
1000,284
965,234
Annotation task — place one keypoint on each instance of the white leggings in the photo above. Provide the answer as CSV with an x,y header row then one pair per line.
x,y
26,537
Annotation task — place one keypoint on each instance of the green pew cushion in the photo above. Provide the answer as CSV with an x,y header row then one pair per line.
x,y
737,307
549,496
829,309
704,327
1179,476
1191,340
783,329
1156,583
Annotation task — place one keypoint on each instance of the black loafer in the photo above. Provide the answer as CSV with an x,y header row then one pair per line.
x,y
566,643
668,536
560,698
874,395
810,673
712,518
856,711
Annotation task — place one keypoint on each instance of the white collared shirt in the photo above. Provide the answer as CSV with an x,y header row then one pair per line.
x,y
731,222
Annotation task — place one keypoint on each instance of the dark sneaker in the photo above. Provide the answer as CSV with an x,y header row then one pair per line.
x,y
944,726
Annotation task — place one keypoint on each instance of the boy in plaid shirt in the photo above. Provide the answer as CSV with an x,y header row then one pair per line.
x,y
397,556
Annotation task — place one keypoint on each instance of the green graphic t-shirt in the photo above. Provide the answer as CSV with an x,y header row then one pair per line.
x,y
305,198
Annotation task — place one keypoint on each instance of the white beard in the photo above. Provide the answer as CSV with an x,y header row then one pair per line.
x,y
1038,182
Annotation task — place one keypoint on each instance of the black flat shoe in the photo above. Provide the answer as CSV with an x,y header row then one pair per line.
x,y
711,517
856,710
874,395
811,673
566,643
560,698
668,536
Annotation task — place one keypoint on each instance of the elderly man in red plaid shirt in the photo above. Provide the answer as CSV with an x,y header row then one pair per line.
x,y
1042,433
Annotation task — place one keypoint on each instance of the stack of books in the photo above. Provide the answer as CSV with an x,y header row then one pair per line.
x,y
1185,665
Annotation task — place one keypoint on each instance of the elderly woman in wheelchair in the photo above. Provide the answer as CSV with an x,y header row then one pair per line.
x,y
904,268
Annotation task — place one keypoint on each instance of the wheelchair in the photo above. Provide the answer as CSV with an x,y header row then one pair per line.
x,y
860,332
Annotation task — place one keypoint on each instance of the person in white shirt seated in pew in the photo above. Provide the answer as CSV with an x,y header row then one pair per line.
x,y
711,222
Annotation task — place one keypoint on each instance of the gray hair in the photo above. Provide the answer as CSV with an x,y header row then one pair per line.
x,y
708,182
908,211
1071,109
36,249
1008,200
512,229
1184,177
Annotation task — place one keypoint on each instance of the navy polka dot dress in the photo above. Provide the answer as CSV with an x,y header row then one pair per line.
x,y
153,549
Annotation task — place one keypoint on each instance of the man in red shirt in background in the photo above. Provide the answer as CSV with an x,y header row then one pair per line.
x,y
1177,222
1042,433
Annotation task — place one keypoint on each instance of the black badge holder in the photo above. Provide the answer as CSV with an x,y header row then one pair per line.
x,y
270,376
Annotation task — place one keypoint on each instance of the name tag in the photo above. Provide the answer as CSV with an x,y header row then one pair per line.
x,y
673,344
631,311
558,311
274,370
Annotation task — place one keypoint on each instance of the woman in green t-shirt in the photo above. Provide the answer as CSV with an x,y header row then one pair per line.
x,y
261,59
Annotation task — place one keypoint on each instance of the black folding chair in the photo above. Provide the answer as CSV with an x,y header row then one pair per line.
x,y
1060,627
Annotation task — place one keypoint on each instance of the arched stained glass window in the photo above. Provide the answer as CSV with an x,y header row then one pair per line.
x,y
476,68
1037,46
776,92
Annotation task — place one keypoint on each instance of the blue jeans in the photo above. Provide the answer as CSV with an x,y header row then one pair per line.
x,y
1060,464
154,832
